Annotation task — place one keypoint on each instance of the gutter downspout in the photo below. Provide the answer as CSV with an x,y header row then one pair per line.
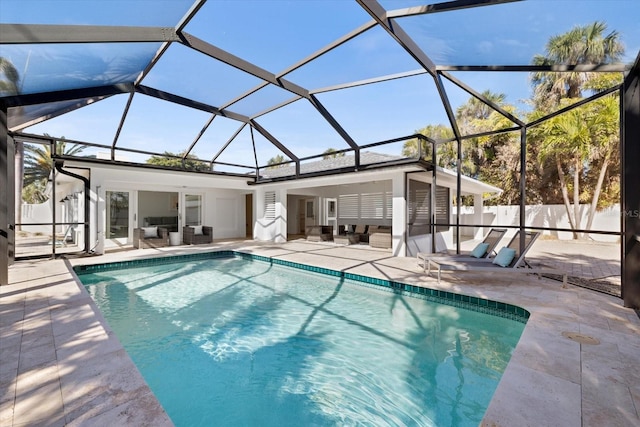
x,y
59,164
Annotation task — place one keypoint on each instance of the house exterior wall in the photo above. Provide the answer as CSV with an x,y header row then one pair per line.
x,y
223,197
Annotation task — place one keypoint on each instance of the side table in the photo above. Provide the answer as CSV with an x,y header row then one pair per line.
x,y
174,238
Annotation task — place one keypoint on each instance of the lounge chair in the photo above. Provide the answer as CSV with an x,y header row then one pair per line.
x,y
514,263
483,250
361,231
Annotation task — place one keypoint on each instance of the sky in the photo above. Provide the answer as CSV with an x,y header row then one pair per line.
x,y
275,35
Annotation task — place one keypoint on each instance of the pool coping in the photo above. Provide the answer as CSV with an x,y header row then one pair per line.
x,y
481,305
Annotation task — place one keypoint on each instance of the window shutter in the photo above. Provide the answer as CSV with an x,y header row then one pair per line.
x,y
348,206
419,208
388,198
372,205
442,208
270,204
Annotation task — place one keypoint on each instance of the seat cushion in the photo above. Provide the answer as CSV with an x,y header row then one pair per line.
x,y
480,250
504,257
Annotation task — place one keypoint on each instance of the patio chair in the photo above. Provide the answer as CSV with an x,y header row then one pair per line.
x,y
150,237
508,260
361,231
196,235
483,250
380,237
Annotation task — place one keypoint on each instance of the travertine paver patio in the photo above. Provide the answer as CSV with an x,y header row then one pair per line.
x,y
61,364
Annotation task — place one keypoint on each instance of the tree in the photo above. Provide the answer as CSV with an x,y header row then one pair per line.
x,y
330,153
276,162
38,166
10,85
581,140
582,45
436,132
168,159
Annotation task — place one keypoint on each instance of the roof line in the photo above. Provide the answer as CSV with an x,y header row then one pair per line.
x,y
47,33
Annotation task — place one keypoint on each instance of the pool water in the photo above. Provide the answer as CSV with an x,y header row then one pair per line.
x,y
233,342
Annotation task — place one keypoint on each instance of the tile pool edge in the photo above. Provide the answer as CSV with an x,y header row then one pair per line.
x,y
477,304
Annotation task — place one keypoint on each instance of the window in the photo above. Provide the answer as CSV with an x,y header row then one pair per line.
x,y
192,209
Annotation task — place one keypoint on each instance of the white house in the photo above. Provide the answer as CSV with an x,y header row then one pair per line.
x,y
398,195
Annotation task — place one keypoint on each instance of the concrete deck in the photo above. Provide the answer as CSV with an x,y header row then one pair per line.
x,y
60,363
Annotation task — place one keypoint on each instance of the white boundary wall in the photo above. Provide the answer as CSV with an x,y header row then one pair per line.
x,y
553,216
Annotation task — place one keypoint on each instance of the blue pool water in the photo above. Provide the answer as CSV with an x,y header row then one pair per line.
x,y
234,342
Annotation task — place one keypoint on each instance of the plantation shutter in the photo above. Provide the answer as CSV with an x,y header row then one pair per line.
x,y
372,205
418,210
388,197
443,208
270,204
348,206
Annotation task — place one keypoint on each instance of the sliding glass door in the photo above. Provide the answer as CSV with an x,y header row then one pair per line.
x,y
119,218
192,209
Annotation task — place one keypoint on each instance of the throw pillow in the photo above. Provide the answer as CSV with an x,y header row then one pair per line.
x,y
150,232
197,230
480,250
504,257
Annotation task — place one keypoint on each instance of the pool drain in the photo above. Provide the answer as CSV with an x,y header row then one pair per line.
x,y
581,338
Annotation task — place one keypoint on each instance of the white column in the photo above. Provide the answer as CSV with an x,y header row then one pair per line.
x,y
399,212
258,209
280,224
478,218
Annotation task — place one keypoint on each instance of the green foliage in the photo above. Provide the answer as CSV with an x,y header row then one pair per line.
x,y
38,167
275,162
34,193
330,153
9,78
179,161
575,152
581,45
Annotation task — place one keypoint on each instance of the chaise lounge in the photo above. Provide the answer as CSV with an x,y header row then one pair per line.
x,y
508,260
197,234
483,250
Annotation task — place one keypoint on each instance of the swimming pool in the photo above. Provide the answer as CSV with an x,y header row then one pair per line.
x,y
235,340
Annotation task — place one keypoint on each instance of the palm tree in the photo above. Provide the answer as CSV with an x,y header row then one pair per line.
x,y
471,116
581,136
38,164
582,45
436,132
577,141
10,85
